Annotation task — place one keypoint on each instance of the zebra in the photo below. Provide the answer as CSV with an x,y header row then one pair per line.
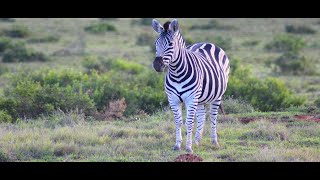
x,y
196,75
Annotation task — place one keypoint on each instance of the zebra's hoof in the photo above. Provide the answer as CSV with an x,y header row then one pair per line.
x,y
176,148
215,144
189,150
197,142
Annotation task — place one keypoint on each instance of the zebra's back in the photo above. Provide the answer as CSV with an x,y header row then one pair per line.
x,y
215,67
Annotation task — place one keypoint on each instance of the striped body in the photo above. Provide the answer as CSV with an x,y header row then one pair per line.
x,y
196,75
202,71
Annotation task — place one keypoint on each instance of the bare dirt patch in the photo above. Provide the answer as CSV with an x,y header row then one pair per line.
x,y
246,120
307,118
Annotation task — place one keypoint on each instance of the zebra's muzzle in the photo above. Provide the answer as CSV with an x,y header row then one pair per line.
x,y
158,64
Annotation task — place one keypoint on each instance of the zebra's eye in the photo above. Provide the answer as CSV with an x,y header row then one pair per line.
x,y
170,44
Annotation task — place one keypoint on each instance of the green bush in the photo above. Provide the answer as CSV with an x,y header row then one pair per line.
x,y
32,93
317,102
4,44
18,52
232,105
189,40
299,29
293,63
55,90
124,65
93,63
100,65
146,39
100,28
142,21
59,77
224,43
5,117
17,31
143,91
269,94
285,43
45,39
251,43
213,24
3,69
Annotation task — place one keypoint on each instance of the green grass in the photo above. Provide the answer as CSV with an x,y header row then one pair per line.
x,y
150,139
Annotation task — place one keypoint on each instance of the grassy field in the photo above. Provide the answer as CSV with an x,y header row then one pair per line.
x,y
274,137
247,135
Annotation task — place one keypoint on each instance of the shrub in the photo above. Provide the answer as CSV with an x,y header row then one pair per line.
x,y
299,29
45,39
93,63
32,93
142,21
269,94
4,44
293,63
285,43
124,65
3,69
142,88
27,98
100,28
189,40
5,117
145,39
232,105
251,43
17,31
114,110
317,102
213,24
19,53
224,43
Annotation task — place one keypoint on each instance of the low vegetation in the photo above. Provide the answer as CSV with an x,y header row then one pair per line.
x,y
299,29
17,31
100,28
18,52
269,94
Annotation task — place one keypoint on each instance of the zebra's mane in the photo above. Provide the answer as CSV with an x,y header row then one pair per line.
x,y
166,26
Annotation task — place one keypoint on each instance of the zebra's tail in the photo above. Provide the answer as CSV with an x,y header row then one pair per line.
x,y
222,109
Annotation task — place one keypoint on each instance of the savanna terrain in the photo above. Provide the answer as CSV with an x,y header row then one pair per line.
x,y
83,89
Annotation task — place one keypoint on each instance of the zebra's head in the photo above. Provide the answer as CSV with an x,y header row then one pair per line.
x,y
165,43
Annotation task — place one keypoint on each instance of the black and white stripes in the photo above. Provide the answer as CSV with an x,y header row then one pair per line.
x,y
196,75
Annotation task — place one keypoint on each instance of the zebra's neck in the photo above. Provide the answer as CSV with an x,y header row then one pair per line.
x,y
179,50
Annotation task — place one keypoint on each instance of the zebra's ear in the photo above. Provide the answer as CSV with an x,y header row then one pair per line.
x,y
174,26
157,26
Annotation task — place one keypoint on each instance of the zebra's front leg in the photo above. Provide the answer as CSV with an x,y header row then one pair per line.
x,y
214,113
191,111
201,117
177,113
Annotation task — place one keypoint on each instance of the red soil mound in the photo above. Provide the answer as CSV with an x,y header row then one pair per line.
x,y
188,158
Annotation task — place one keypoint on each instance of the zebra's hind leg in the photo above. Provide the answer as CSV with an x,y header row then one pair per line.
x,y
177,113
213,114
201,117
